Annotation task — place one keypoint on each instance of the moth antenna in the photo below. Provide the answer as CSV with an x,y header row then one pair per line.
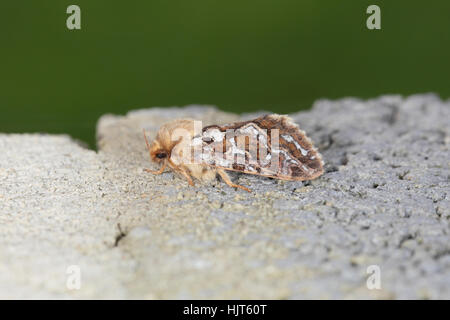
x,y
146,141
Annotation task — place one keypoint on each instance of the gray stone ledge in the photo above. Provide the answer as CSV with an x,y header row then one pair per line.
x,y
384,200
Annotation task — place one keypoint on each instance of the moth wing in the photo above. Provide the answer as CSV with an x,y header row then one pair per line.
x,y
271,146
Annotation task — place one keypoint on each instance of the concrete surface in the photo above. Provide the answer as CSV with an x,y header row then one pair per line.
x,y
383,202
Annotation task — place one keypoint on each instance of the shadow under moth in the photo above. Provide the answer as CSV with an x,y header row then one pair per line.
x,y
270,146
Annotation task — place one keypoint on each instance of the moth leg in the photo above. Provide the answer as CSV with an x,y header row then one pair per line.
x,y
183,171
228,181
187,176
157,171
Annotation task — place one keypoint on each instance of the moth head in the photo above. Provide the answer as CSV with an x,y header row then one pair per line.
x,y
168,136
158,153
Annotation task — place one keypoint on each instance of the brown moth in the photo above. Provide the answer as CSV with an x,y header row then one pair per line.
x,y
270,146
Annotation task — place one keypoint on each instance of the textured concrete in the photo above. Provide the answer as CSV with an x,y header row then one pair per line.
x,y
384,201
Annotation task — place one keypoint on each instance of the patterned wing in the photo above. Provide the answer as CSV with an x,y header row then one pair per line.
x,y
271,146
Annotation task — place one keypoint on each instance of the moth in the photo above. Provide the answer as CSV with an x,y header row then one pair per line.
x,y
269,146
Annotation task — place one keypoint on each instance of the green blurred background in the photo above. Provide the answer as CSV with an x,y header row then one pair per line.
x,y
244,55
